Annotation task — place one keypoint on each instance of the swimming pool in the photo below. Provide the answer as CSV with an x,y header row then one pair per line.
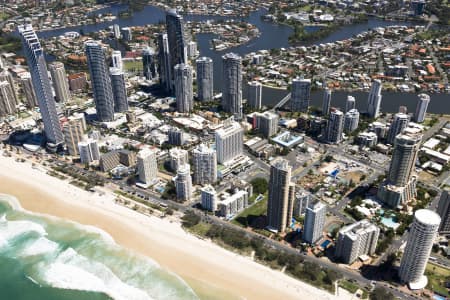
x,y
389,222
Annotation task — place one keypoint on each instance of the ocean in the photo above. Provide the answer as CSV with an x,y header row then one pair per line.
x,y
43,257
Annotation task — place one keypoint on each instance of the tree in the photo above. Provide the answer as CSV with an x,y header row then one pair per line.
x,y
190,219
260,185
328,158
380,293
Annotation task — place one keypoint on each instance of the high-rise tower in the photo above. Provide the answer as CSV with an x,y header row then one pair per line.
x,y
398,124
176,37
400,186
119,90
232,85
374,100
183,88
164,66
418,248
254,94
101,81
335,127
41,83
421,108
281,196
300,94
149,63
326,102
205,81
229,141
60,82
204,160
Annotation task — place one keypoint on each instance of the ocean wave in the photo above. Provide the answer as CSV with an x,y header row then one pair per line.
x,y
40,246
15,229
84,258
14,204
73,271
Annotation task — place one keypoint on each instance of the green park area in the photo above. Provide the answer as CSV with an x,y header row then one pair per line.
x,y
248,215
133,65
437,277
4,16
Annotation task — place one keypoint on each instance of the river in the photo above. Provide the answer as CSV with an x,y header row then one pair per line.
x,y
272,36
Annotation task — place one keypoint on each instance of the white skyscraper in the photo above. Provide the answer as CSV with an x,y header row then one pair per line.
x,y
60,82
357,239
205,83
42,86
177,158
183,183
400,186
89,151
351,120
232,85
229,141
418,248
183,88
326,102
374,100
116,58
209,198
205,164
335,127
254,97
314,222
300,94
147,166
398,124
116,31
267,123
421,108
350,103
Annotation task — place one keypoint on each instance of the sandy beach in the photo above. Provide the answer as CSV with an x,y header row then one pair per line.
x,y
213,272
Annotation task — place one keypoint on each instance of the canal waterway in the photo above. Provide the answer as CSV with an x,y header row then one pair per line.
x,y
273,36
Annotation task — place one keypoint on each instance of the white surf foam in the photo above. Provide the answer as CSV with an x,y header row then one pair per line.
x,y
14,203
40,246
73,271
13,229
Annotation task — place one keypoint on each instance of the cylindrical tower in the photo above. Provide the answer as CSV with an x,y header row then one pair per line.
x,y
418,247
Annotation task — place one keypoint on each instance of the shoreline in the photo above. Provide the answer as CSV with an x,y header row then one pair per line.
x,y
213,272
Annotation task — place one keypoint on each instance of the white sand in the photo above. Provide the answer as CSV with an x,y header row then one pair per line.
x,y
212,271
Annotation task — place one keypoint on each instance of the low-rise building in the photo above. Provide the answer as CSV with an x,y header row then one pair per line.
x,y
110,160
230,205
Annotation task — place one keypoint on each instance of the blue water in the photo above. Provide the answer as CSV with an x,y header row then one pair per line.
x,y
389,222
50,258
273,36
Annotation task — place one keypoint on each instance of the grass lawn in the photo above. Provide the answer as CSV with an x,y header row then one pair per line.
x,y
437,276
349,286
131,65
4,16
200,229
257,209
